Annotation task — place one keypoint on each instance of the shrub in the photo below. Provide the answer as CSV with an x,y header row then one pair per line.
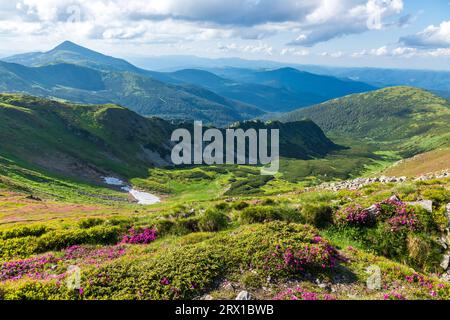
x,y
438,195
213,220
319,215
259,214
60,239
222,206
144,236
18,247
185,226
251,280
268,202
23,231
355,215
37,290
240,205
424,253
90,222
186,272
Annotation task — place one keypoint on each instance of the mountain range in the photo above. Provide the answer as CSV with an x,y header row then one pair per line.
x,y
79,74
435,80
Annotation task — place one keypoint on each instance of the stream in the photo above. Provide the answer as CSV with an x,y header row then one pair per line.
x,y
143,198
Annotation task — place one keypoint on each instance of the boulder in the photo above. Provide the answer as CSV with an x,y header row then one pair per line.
x,y
244,295
426,204
394,198
445,261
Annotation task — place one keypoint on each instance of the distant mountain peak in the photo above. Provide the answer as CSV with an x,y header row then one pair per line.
x,y
70,46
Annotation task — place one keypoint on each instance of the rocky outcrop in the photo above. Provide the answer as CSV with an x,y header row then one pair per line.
x,y
362,182
426,204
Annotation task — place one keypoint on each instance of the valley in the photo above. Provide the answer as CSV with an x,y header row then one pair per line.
x,y
87,180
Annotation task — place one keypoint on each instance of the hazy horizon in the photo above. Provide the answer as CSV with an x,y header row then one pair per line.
x,y
358,33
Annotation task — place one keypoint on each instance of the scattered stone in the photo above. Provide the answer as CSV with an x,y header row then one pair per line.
x,y
207,297
362,182
33,197
426,204
448,214
228,286
445,277
445,261
443,242
244,295
394,198
373,211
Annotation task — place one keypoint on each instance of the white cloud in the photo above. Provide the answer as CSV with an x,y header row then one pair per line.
x,y
402,52
294,52
153,20
337,54
259,48
431,37
334,18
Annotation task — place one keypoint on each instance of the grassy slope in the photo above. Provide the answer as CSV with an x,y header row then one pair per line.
x,y
210,260
432,161
404,119
80,139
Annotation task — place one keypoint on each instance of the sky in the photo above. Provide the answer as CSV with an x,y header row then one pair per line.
x,y
374,33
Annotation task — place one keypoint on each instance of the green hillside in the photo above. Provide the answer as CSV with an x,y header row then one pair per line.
x,y
80,140
88,141
141,94
298,140
404,119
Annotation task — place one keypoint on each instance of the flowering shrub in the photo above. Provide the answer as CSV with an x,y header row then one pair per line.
x,y
357,216
393,296
36,268
395,212
434,290
146,236
302,294
92,255
399,215
317,254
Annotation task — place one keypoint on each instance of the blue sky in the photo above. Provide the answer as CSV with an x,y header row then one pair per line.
x,y
378,33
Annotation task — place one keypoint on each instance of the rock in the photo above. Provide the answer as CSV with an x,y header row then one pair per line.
x,y
426,204
448,214
443,242
394,198
34,198
228,286
373,210
207,297
445,277
445,261
244,295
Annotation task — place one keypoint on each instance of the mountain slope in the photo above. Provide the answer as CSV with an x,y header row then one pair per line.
x,y
278,90
413,119
87,141
265,97
139,93
81,75
81,140
307,87
69,52
299,139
